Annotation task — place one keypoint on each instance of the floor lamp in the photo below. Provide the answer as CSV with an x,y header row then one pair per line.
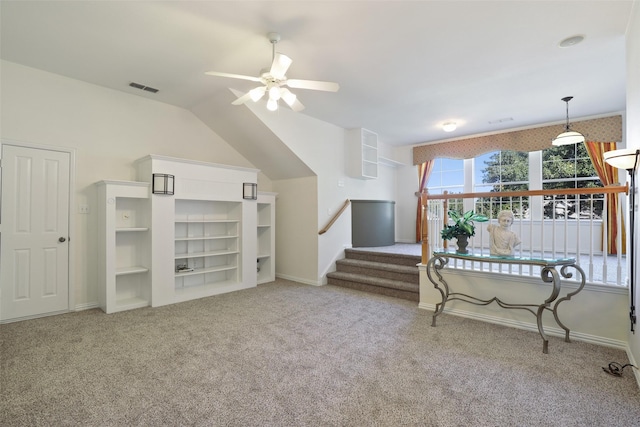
x,y
628,159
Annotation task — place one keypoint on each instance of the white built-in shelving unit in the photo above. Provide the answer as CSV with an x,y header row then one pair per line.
x,y
158,249
124,277
204,235
266,256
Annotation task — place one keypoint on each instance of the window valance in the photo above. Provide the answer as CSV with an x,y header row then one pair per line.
x,y
604,129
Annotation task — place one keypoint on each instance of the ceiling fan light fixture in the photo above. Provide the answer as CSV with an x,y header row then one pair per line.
x,y
272,105
274,79
257,93
449,126
568,136
288,96
274,93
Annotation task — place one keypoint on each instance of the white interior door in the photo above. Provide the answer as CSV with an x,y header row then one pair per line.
x,y
34,250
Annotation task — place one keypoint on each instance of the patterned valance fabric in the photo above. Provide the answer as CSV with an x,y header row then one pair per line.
x,y
534,139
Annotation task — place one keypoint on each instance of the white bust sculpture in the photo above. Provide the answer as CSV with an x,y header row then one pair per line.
x,y
503,240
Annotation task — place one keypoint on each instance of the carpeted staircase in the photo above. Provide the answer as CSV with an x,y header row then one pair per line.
x,y
389,274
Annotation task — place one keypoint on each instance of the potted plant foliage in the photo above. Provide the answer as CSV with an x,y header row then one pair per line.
x,y
462,228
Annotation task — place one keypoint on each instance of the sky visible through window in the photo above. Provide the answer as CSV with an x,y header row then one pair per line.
x,y
479,172
448,174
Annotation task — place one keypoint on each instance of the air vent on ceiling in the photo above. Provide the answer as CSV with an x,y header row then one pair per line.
x,y
506,119
143,87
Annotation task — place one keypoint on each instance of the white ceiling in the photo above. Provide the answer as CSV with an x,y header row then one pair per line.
x,y
404,67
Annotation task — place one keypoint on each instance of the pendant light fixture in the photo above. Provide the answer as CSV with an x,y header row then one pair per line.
x,y
568,136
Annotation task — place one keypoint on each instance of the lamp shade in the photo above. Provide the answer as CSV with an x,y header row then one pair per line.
x,y
568,137
625,158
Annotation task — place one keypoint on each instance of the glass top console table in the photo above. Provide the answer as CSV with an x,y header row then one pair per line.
x,y
551,271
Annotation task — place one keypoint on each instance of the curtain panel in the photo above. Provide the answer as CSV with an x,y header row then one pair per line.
x,y
608,175
424,171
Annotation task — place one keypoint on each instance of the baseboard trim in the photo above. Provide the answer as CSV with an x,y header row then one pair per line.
x,y
636,372
86,306
549,330
35,316
298,279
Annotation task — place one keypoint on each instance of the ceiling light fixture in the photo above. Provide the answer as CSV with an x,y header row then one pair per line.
x,y
568,136
571,41
449,126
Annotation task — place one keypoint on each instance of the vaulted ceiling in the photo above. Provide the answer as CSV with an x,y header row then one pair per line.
x,y
404,67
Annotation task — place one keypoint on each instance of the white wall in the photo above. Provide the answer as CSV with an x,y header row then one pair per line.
x,y
633,141
109,130
296,228
321,146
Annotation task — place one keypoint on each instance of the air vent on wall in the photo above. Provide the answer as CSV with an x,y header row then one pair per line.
x,y
143,87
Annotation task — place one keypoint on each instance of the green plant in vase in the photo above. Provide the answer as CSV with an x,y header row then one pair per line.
x,y
462,228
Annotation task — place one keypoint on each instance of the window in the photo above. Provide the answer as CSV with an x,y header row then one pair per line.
x,y
566,166
569,166
502,171
447,175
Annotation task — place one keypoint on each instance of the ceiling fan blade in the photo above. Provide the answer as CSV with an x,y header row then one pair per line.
x,y
291,100
241,100
313,85
233,76
296,106
280,66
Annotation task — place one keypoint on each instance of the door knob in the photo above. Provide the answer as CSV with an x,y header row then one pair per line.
x,y
62,239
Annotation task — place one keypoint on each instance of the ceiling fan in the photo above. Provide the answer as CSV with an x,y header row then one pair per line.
x,y
274,81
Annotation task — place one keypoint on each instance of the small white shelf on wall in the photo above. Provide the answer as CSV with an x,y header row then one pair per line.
x,y
362,153
123,215
266,238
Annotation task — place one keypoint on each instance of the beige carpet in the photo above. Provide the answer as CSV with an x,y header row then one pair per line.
x,y
286,354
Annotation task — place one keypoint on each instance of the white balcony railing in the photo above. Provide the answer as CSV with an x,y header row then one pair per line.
x,y
569,223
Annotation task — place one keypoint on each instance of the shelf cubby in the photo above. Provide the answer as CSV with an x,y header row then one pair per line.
x,y
206,243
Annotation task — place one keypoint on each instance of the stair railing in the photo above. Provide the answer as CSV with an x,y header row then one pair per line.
x,y
335,217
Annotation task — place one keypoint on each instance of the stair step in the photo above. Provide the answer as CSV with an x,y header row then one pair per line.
x,y
375,281
377,269
391,274
395,288
387,258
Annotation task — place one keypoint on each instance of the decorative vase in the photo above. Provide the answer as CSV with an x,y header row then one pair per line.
x,y
462,241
